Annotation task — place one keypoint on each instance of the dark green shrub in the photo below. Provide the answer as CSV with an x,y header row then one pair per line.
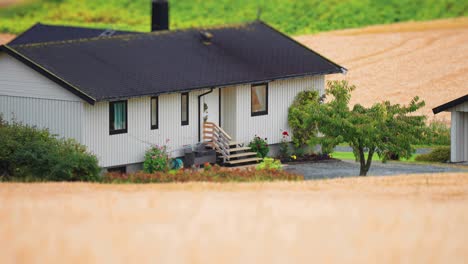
x,y
298,113
156,159
260,146
28,153
436,133
439,154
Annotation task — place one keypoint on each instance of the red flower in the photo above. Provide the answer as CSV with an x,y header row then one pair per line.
x,y
285,133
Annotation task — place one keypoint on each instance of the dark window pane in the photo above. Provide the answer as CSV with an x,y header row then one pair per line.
x,y
185,108
154,113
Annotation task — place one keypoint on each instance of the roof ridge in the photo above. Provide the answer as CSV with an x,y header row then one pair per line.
x,y
125,36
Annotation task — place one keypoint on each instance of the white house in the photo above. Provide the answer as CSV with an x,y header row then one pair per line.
x,y
120,92
459,127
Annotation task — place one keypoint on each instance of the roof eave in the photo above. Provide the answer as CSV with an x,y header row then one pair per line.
x,y
104,99
17,55
450,104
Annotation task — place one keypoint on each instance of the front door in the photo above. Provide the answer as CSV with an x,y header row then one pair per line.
x,y
209,109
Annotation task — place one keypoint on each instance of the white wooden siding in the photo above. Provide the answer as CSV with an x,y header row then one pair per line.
x,y
17,79
459,137
32,99
281,94
128,148
460,108
63,118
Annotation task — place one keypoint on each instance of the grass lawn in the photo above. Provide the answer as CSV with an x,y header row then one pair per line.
x,y
398,219
350,156
291,17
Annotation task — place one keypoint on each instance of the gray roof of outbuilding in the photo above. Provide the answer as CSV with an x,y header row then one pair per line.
x,y
108,68
450,104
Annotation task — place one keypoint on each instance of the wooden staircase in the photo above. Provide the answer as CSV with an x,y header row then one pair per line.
x,y
230,152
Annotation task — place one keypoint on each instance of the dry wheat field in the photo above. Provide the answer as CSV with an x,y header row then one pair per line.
x,y
398,219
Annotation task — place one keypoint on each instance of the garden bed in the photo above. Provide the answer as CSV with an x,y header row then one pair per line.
x,y
307,158
207,174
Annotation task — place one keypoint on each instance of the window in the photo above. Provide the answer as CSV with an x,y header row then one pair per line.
x,y
117,117
154,112
185,108
259,99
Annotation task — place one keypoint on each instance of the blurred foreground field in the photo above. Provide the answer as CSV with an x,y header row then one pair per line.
x,y
411,219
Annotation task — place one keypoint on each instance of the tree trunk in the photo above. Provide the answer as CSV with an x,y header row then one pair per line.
x,y
365,165
362,162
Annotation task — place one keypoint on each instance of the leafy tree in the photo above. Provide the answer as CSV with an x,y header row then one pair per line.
x,y
299,113
380,129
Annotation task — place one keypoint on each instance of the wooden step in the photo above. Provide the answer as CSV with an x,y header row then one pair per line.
x,y
238,149
235,143
233,162
243,154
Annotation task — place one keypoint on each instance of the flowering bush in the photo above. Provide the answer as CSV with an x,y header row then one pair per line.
x,y
156,159
270,164
214,174
284,146
260,146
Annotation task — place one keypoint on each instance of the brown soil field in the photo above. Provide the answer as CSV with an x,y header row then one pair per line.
x,y
399,61
398,219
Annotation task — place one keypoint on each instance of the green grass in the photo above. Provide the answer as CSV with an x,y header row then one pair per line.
x,y
350,156
289,16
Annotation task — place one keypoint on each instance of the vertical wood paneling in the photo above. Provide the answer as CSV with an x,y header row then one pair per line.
x,y
63,118
114,150
17,79
460,108
459,137
281,96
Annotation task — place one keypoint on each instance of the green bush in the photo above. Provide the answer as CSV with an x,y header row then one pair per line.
x,y
298,113
436,133
269,164
439,154
31,154
260,146
156,159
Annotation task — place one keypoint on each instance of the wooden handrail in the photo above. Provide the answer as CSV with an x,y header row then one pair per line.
x,y
219,138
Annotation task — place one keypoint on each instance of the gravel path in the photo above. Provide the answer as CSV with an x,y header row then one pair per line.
x,y
336,169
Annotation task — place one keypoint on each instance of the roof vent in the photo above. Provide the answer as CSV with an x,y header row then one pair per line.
x,y
206,37
107,33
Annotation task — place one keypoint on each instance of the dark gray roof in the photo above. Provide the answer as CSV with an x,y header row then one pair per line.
x,y
450,104
40,33
170,61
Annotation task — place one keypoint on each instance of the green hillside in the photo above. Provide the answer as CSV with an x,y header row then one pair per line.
x,y
290,16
